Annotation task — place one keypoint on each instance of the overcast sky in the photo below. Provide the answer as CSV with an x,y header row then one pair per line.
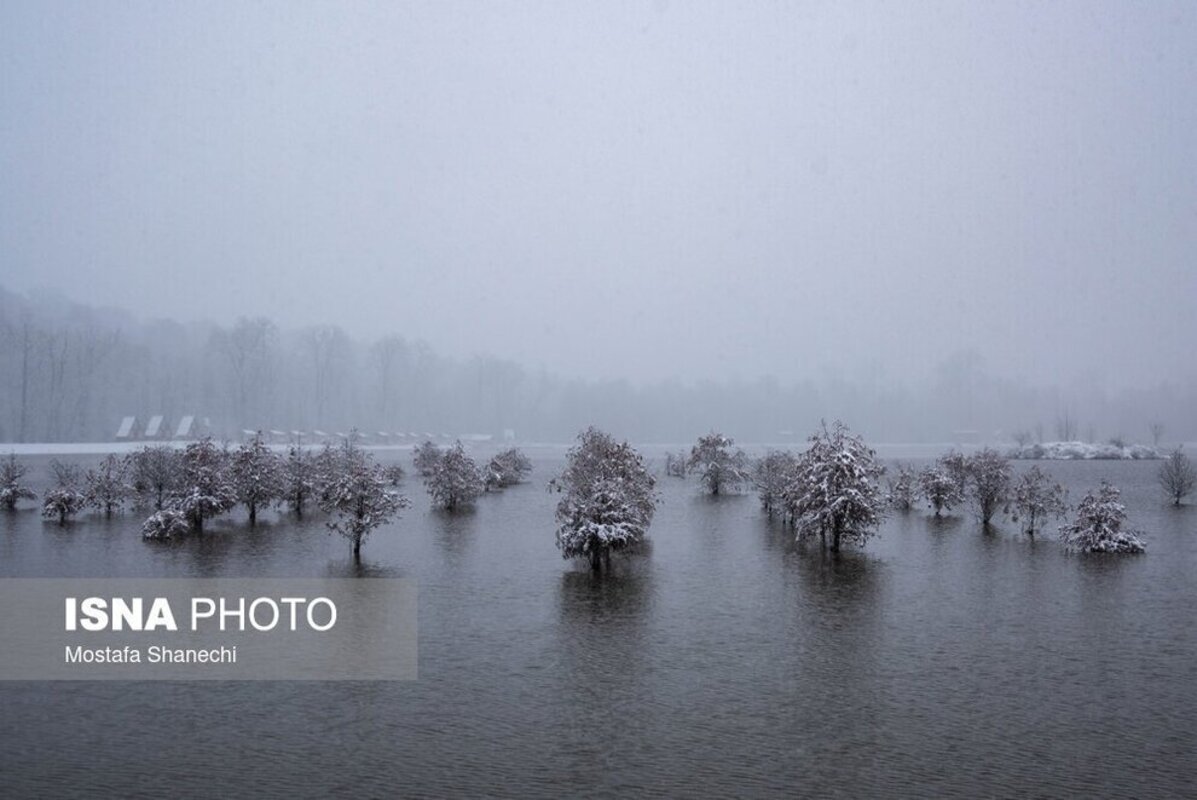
x,y
640,190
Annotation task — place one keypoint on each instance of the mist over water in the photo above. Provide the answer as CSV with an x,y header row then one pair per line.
x,y
644,191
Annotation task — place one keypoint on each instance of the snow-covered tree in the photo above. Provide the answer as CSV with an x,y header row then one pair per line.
x,y
772,476
65,499
425,458
156,471
507,469
1177,476
107,487
12,489
165,524
719,467
954,464
939,489
393,473
675,464
836,490
299,478
988,482
456,481
359,495
1035,497
256,475
608,499
1098,525
903,487
204,489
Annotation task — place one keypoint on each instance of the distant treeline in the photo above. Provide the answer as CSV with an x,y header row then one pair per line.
x,y
70,372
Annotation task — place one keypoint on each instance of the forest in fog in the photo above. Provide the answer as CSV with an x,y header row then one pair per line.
x,y
69,372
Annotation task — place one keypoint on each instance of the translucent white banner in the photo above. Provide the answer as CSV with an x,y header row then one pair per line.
x,y
207,629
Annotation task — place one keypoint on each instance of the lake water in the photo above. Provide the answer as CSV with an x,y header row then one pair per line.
x,y
725,661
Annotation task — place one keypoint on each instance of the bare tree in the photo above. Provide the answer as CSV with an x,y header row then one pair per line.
x,y
389,356
328,351
248,350
1066,428
1177,476
1157,433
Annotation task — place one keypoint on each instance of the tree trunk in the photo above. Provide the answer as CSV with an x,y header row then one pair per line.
x,y
596,560
357,548
253,515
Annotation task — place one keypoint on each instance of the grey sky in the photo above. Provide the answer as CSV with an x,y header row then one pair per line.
x,y
674,189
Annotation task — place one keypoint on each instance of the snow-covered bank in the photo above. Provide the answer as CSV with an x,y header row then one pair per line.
x,y
1083,451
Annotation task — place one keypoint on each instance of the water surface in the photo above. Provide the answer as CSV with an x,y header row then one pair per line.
x,y
725,660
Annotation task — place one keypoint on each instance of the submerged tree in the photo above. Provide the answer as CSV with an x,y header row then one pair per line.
x,y
425,458
12,489
299,478
1177,476
165,524
1098,525
719,467
675,464
836,491
939,489
256,475
988,474
955,465
608,499
772,476
394,473
903,488
65,499
1036,497
107,487
507,469
359,495
204,489
156,472
455,482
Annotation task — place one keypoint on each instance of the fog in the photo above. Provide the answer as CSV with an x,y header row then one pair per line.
x,y
895,209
